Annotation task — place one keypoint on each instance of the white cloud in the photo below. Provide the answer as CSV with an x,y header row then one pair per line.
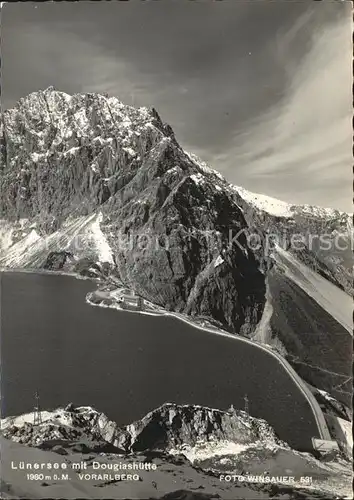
x,y
305,142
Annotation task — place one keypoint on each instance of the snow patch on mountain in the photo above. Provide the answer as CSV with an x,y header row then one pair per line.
x,y
198,178
347,430
81,424
130,151
78,120
266,203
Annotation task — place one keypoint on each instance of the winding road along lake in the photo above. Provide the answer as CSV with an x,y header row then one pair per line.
x,y
127,364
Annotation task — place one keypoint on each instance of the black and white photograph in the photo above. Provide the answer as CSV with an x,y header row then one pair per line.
x,y
176,250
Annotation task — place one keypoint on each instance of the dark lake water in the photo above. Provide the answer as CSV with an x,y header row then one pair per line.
x,y
127,364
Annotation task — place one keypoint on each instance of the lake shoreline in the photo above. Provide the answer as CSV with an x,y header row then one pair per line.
x,y
139,356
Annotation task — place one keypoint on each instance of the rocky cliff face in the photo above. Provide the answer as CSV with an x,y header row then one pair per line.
x,y
308,313
65,159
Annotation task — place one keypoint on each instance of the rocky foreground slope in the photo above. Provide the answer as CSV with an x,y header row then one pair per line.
x,y
87,182
174,447
163,429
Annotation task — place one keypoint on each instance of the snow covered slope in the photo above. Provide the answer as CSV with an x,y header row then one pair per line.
x,y
215,442
86,174
327,295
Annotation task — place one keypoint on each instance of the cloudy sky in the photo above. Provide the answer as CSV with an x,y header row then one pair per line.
x,y
260,90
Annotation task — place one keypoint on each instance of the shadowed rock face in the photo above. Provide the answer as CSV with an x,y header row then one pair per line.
x,y
65,157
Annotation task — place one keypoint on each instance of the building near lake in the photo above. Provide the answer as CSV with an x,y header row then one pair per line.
x,y
132,302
